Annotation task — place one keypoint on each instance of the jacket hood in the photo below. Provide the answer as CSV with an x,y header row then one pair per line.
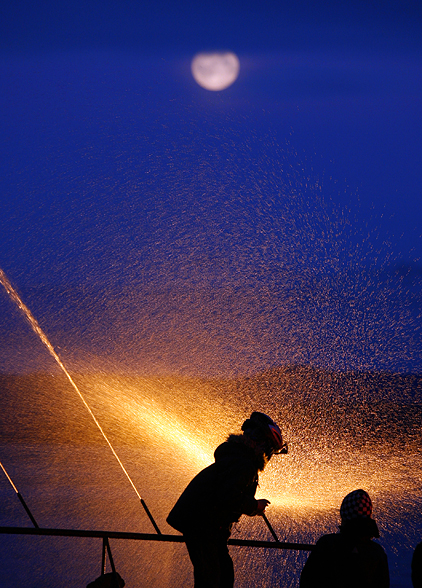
x,y
236,446
360,527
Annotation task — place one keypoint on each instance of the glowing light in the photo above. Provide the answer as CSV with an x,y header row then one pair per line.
x,y
215,71
318,483
164,425
308,483
150,417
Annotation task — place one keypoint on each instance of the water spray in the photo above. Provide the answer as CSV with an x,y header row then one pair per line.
x,y
19,495
37,329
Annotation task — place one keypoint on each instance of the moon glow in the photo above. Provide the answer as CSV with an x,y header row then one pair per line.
x,y
215,71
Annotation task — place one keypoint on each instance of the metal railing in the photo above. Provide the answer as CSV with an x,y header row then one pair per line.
x,y
105,535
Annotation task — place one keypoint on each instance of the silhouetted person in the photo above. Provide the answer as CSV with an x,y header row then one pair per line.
x,y
218,496
349,559
417,566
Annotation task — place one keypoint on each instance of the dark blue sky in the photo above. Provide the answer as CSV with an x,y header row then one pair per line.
x,y
154,27
119,174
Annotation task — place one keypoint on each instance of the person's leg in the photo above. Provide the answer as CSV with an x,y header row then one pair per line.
x,y
212,564
226,565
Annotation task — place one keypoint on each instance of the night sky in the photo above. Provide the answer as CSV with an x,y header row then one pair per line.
x,y
153,225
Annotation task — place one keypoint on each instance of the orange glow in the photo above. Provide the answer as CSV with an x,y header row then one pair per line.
x,y
187,420
163,424
307,481
318,482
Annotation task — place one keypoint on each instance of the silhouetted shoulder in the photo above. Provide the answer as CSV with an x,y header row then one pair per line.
x,y
337,561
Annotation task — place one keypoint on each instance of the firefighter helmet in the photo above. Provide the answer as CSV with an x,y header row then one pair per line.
x,y
262,427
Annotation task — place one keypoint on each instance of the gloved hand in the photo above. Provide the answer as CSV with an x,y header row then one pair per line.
x,y
262,505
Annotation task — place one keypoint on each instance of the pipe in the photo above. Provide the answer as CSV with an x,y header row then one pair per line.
x,y
19,495
147,537
273,533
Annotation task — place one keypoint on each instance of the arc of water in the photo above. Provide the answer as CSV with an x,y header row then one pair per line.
x,y
37,329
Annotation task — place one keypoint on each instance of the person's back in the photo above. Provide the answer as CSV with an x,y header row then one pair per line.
x,y
338,561
349,559
220,493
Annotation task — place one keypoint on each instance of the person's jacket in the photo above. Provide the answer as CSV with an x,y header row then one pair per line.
x,y
220,493
346,560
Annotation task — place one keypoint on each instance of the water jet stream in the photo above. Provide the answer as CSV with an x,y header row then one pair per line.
x,y
37,329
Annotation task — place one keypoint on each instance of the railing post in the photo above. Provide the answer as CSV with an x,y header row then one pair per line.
x,y
103,559
110,557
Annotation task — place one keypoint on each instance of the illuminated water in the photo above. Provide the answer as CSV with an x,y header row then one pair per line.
x,y
344,433
165,430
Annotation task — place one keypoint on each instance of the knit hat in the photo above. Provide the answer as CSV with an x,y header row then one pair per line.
x,y
356,505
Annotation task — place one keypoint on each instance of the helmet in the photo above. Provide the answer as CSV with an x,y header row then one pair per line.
x,y
356,505
259,426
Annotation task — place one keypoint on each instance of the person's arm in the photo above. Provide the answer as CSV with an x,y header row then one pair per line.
x,y
236,487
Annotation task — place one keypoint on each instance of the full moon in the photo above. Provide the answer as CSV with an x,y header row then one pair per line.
x,y
215,71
